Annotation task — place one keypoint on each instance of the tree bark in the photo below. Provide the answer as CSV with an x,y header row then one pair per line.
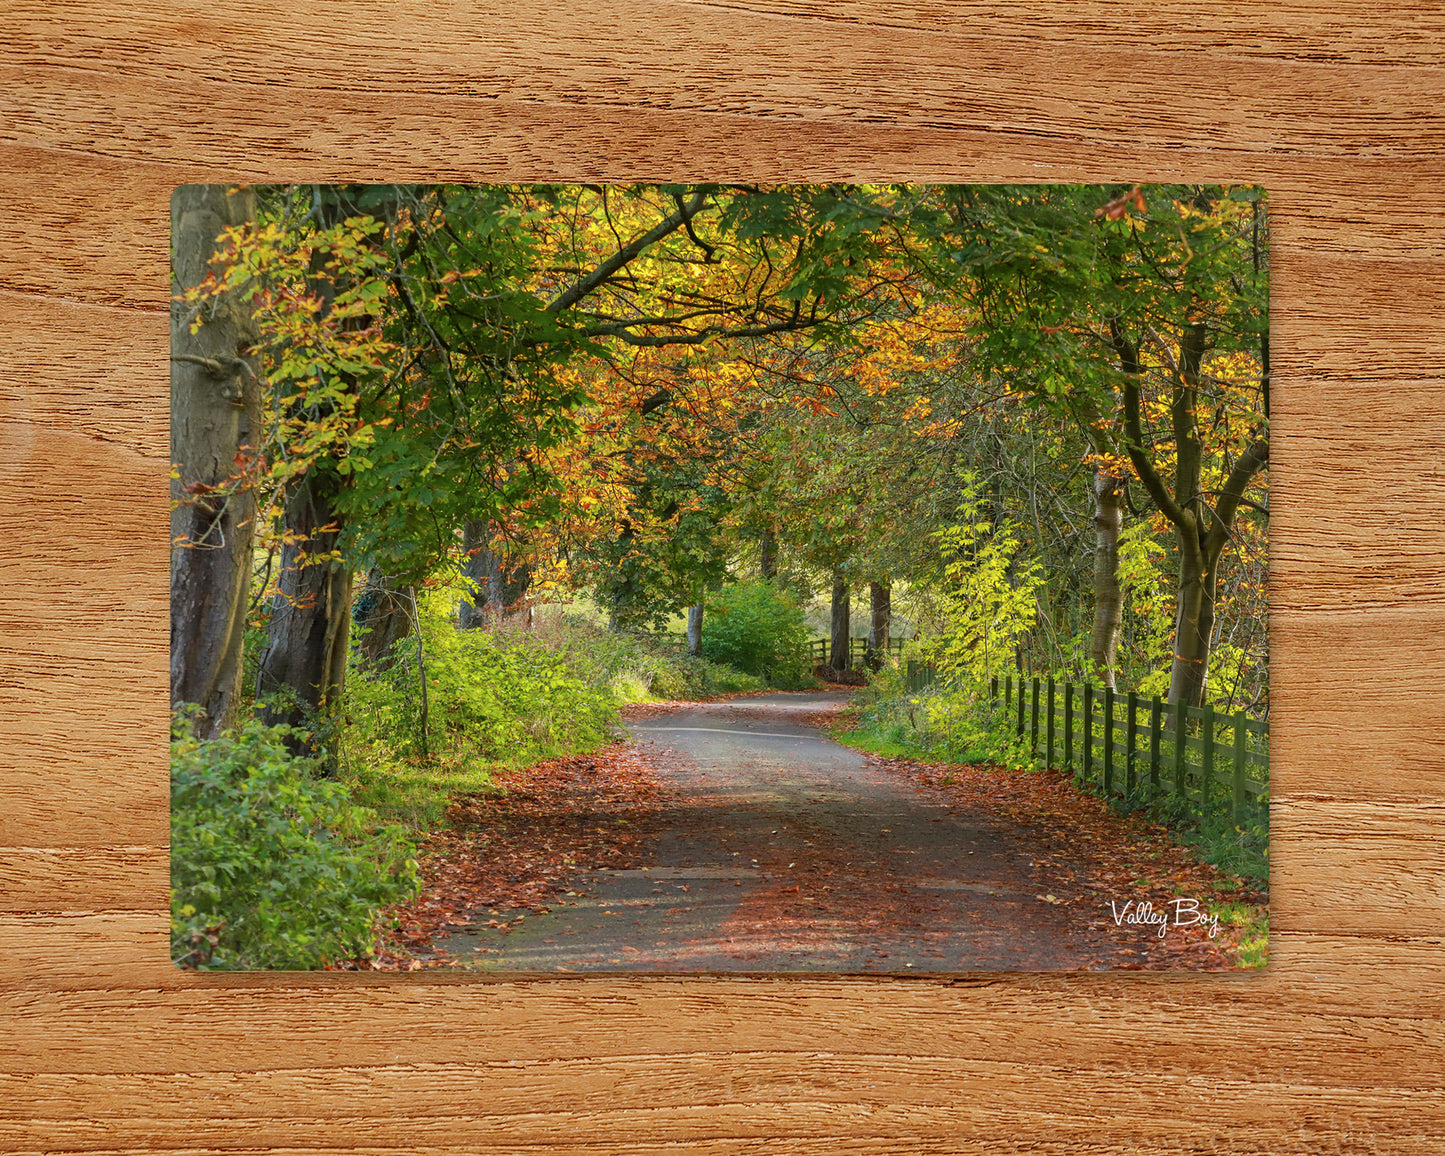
x,y
507,592
840,659
694,630
500,595
768,555
215,414
1108,601
1194,617
624,593
479,564
383,611
881,606
303,667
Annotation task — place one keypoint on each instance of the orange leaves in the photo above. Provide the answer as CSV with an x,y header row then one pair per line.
x,y
1116,465
1119,207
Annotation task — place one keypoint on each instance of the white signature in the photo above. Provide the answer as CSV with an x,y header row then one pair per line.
x,y
1186,914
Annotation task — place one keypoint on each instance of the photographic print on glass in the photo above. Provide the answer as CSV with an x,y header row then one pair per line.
x,y
719,578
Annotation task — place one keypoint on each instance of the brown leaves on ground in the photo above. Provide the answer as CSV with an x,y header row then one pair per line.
x,y
524,847
1090,856
516,849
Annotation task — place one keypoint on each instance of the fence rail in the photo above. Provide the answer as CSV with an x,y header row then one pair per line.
x,y
819,649
1124,742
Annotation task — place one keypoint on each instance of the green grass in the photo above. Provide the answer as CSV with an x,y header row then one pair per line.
x,y
1253,922
413,791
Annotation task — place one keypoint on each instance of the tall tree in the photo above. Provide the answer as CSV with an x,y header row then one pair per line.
x,y
1082,298
215,427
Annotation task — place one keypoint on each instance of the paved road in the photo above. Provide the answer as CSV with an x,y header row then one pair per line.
x,y
783,850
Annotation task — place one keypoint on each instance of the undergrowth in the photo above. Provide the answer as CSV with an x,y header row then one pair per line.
x,y
957,725
272,867
500,699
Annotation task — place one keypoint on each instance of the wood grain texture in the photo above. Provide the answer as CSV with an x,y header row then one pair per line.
x,y
1334,106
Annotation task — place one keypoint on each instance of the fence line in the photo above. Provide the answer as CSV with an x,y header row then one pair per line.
x,y
819,649
1123,742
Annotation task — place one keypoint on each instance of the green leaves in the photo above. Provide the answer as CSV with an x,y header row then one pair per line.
x,y
987,594
759,629
271,868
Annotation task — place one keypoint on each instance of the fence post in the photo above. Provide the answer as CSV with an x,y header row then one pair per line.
x,y
1008,696
1049,727
1131,735
1019,717
1108,736
1156,717
1088,731
1068,726
1181,738
1237,798
1034,721
1206,754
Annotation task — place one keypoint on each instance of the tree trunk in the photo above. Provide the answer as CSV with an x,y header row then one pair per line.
x,y
694,630
304,667
383,612
215,414
304,664
1202,532
768,555
881,605
507,587
840,659
500,596
479,565
1194,618
1108,601
624,592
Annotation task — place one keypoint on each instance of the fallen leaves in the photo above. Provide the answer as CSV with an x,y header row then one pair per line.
x,y
521,848
1088,856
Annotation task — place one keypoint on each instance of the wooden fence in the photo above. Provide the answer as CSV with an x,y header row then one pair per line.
x,y
820,649
1121,743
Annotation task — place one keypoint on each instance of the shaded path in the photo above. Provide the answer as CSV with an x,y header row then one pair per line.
x,y
778,849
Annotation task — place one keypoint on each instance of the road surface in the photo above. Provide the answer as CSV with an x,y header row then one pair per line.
x,y
781,850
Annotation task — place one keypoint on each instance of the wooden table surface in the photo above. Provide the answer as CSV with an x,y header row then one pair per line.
x,y
1334,106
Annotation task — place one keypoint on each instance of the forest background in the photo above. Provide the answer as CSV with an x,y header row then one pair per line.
x,y
1034,417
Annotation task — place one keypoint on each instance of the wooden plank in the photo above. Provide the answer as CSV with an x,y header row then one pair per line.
x,y
1335,107
84,878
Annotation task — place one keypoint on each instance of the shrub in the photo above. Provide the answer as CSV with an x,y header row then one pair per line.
x,y
487,696
270,867
635,667
759,629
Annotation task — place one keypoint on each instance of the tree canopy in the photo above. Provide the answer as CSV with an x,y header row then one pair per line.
x,y
1049,398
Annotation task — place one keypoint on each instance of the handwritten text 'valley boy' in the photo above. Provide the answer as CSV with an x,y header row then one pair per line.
x,y
1186,914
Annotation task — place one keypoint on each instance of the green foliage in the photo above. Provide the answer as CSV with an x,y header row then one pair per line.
x,y
1146,647
270,867
492,697
759,629
987,594
498,700
636,667
949,721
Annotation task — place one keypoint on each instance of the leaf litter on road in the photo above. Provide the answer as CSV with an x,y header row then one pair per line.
x,y
532,843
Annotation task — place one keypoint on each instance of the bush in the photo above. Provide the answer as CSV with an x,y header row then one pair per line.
x,y
759,629
487,696
635,667
270,867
